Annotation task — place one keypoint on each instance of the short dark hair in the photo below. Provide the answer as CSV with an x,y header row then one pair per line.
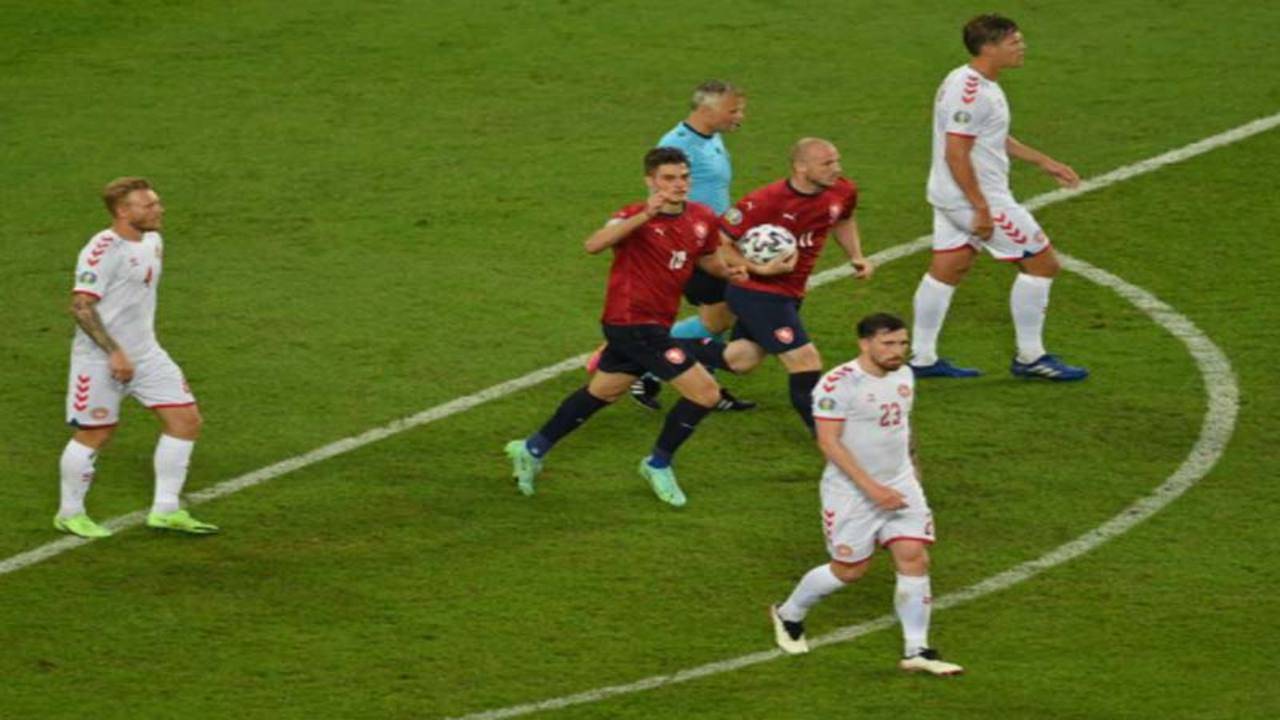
x,y
985,29
876,323
663,156
118,189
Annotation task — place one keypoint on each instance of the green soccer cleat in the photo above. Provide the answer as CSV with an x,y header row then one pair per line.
x,y
524,466
663,482
81,525
181,521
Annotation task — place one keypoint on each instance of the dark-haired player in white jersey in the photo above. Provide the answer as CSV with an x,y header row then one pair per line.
x,y
871,493
974,208
115,353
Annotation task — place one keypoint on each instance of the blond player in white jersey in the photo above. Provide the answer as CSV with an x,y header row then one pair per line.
x,y
115,354
871,494
974,209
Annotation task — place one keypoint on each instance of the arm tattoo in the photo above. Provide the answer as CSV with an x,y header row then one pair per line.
x,y
88,319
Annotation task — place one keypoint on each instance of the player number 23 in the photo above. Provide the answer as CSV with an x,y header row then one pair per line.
x,y
890,414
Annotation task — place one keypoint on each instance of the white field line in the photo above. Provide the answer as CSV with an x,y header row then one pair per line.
x,y
57,547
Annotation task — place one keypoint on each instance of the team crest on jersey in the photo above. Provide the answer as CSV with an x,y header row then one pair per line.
x,y
675,356
88,277
904,390
962,117
785,335
733,217
835,212
827,403
700,229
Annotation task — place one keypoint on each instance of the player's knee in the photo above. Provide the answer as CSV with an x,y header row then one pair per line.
x,y
95,438
849,572
912,559
185,424
951,268
803,359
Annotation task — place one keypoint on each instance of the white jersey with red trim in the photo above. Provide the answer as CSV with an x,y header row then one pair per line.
x,y
969,104
123,275
876,413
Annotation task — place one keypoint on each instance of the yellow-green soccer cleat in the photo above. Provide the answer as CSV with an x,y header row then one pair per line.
x,y
663,483
524,466
181,521
81,525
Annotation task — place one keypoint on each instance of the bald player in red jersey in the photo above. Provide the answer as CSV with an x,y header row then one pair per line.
x,y
655,247
814,201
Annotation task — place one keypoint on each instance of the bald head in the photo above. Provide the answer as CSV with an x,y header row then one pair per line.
x,y
815,164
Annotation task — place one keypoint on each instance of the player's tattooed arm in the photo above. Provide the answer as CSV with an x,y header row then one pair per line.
x,y
84,310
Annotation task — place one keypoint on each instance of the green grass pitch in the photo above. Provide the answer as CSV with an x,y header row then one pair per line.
x,y
377,207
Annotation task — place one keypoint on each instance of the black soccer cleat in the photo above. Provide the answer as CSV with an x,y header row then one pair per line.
x,y
644,390
729,403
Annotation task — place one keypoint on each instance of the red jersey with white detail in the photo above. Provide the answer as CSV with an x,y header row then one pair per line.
x,y
653,263
876,413
808,217
123,275
970,105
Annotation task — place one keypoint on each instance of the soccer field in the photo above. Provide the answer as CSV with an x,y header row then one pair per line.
x,y
376,209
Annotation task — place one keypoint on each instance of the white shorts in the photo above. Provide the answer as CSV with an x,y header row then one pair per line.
x,y
93,396
853,525
1016,236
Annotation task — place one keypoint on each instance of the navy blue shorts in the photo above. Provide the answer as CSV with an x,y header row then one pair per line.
x,y
637,349
769,320
704,288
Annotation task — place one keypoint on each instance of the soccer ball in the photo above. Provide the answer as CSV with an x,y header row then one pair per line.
x,y
763,243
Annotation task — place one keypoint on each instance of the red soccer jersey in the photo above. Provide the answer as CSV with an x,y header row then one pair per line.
x,y
652,264
808,217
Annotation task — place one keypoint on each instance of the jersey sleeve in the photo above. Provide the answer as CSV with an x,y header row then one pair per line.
x,y
94,267
831,399
967,112
743,216
623,214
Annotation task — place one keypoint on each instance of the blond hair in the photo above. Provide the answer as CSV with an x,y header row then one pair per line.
x,y
118,189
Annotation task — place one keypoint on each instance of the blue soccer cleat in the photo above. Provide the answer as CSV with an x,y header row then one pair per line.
x,y
944,368
1049,367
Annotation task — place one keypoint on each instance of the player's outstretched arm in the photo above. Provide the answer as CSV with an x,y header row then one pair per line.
x,y
1063,173
84,310
846,233
829,442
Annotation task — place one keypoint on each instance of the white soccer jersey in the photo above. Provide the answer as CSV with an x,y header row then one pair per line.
x,y
876,414
969,104
123,275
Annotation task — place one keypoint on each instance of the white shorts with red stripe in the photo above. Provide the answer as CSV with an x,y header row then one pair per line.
x,y
1016,236
93,396
853,525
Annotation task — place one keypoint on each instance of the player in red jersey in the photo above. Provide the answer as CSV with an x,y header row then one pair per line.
x,y
655,247
814,201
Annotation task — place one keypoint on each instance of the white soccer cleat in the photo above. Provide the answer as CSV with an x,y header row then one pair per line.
x,y
789,635
928,660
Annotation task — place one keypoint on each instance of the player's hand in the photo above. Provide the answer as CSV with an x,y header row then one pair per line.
x,y
1064,174
886,498
982,224
654,204
779,266
121,366
862,268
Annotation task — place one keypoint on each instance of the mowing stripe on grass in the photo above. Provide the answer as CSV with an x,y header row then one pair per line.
x,y
57,547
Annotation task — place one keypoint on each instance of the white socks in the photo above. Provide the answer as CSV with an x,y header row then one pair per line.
x,y
1028,301
76,470
913,599
932,299
815,585
171,461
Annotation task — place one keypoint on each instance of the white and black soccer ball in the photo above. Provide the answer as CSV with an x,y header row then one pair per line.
x,y
763,243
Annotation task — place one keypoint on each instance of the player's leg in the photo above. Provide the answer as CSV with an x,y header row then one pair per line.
x,y
804,369
849,525
93,409
953,254
159,384
1020,239
907,535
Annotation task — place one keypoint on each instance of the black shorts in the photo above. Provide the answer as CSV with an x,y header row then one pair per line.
x,y
637,349
704,288
769,320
